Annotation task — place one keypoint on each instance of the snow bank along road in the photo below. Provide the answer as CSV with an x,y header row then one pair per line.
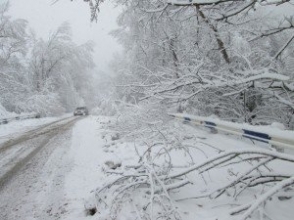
x,y
22,159
49,173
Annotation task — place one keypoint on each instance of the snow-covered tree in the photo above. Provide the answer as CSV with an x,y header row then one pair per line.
x,y
61,69
13,42
192,55
223,57
48,76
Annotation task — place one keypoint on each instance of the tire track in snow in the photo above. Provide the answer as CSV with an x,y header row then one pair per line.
x,y
30,134
25,194
4,179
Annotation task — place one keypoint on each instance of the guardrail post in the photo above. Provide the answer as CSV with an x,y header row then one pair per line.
x,y
211,126
20,117
213,130
4,121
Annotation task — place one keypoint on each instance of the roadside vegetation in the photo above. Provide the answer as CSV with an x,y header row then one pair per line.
x,y
47,76
229,59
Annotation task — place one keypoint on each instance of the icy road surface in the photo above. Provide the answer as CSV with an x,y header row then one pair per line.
x,y
47,172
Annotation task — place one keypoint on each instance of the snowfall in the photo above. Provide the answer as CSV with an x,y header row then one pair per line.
x,y
89,157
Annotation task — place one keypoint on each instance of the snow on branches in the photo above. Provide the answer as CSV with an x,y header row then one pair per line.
x,y
153,192
48,76
210,57
176,165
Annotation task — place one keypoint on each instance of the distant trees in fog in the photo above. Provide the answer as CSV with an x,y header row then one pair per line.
x,y
48,76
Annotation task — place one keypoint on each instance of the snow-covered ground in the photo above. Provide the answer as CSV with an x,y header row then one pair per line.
x,y
78,162
57,183
192,201
14,128
95,152
89,153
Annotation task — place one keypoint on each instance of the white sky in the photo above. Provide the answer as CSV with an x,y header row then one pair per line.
x,y
44,17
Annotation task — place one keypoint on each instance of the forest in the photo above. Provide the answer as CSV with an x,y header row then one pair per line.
x,y
232,59
47,76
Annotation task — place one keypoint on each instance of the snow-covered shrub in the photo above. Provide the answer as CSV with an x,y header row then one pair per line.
x,y
170,175
106,108
137,186
3,112
137,121
43,103
233,67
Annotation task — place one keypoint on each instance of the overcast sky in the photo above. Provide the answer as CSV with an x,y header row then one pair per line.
x,y
44,17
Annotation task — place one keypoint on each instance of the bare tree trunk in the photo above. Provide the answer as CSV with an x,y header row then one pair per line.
x,y
219,41
175,57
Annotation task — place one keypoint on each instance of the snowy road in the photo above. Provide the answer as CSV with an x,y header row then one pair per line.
x,y
48,172
51,172
29,162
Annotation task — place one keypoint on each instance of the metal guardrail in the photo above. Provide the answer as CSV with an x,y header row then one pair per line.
x,y
284,139
19,117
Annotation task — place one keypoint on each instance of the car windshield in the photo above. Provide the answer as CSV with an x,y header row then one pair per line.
x,y
81,108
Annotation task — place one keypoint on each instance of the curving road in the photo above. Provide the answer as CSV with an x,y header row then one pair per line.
x,y
27,167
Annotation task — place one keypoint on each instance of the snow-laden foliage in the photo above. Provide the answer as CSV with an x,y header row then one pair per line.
x,y
60,66
176,167
231,59
48,76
